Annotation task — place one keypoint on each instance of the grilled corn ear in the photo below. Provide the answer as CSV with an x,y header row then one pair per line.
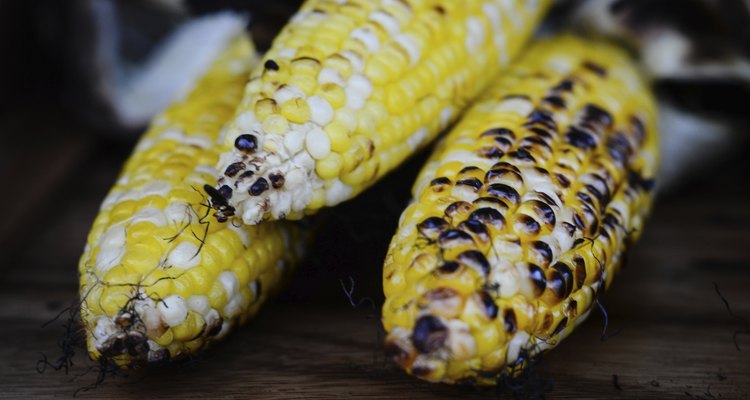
x,y
351,88
160,278
522,215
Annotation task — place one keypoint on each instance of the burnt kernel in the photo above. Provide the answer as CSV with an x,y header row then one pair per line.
x,y
429,334
570,228
474,183
579,138
562,180
561,326
422,370
503,142
452,236
560,280
395,353
528,225
595,192
458,207
504,192
578,221
271,64
440,181
554,101
593,113
492,152
619,148
544,211
234,168
541,117
468,170
509,321
541,132
492,200
277,180
225,192
440,10
564,86
441,293
580,271
498,132
638,128
495,174
432,227
536,274
585,198
257,188
535,140
578,242
448,267
517,96
488,216
544,250
595,68
522,154
490,307
572,308
503,165
476,260
247,143
544,196
245,175
476,228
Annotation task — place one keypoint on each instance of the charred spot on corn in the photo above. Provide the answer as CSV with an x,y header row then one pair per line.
x,y
429,334
246,143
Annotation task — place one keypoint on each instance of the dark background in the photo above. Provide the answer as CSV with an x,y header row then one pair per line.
x,y
56,165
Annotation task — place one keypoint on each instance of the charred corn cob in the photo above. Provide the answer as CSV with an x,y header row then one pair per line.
x,y
522,215
351,88
160,277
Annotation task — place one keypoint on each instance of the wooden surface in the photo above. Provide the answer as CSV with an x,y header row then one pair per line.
x,y
675,339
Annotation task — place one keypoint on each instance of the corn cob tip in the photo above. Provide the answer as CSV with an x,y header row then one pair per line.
x,y
522,215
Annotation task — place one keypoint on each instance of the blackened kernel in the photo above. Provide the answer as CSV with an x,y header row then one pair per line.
x,y
505,165
449,267
556,284
277,180
453,236
562,180
579,138
570,228
493,200
440,181
432,227
572,308
542,117
528,225
566,86
429,334
476,260
509,321
578,221
544,251
593,113
440,10
545,133
260,186
544,211
421,370
504,192
580,271
567,276
517,97
547,198
475,183
488,216
225,192
619,148
638,128
475,227
561,326
271,64
498,132
585,198
522,154
595,68
595,192
245,175
468,170
495,174
554,101
490,307
458,207
503,142
578,242
535,141
247,143
234,168
536,274
491,152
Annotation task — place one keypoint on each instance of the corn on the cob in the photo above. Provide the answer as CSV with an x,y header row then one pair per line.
x,y
522,215
350,88
160,277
